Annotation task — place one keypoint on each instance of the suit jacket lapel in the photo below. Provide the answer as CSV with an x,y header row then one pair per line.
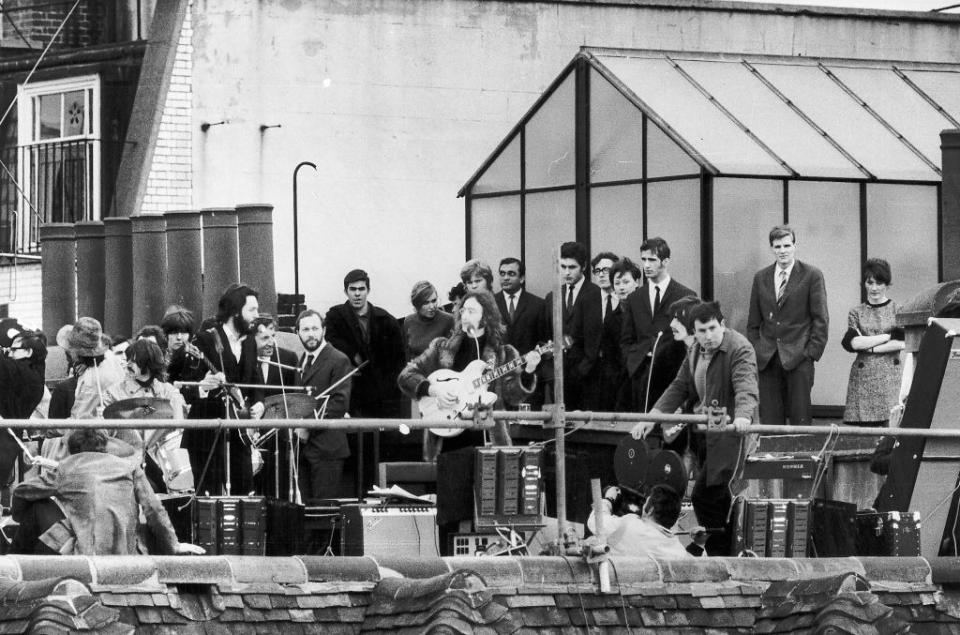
x,y
792,282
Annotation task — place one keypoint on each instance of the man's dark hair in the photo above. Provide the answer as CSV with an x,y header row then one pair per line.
x,y
623,266
87,440
36,341
264,320
356,275
576,251
682,311
177,320
232,301
154,331
609,255
149,357
457,291
307,313
510,260
878,269
782,231
706,311
665,505
657,245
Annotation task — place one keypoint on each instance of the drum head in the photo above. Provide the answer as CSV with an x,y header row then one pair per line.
x,y
298,406
139,408
630,463
666,468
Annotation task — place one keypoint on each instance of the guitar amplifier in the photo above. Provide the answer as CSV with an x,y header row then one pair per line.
x,y
888,533
389,530
247,526
507,486
773,528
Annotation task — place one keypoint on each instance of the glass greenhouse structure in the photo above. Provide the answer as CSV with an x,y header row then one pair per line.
x,y
711,151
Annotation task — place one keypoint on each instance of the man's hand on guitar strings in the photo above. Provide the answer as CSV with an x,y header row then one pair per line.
x,y
533,360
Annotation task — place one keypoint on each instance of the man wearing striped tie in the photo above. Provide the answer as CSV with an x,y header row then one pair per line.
x,y
787,326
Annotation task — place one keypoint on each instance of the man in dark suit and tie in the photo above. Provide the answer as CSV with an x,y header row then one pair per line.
x,y
787,326
322,365
597,367
577,291
276,368
522,312
646,314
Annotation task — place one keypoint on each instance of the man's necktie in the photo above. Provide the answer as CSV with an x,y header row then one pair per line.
x,y
781,287
608,309
511,308
308,362
569,303
656,300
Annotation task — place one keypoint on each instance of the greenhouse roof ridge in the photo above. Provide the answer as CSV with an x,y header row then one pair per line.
x,y
778,116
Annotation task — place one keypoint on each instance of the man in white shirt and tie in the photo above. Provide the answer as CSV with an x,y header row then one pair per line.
x,y
594,368
578,292
646,320
276,369
522,313
322,366
788,326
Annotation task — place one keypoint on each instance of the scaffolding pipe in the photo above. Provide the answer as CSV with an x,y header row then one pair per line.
x,y
559,422
851,431
342,425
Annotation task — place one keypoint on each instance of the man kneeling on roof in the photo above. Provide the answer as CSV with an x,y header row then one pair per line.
x,y
90,503
645,534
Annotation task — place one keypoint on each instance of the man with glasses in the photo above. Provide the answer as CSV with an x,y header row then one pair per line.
x,y
592,366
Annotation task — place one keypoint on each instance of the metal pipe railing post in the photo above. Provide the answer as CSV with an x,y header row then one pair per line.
x,y
559,408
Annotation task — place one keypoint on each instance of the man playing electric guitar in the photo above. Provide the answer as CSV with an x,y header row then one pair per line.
x,y
478,334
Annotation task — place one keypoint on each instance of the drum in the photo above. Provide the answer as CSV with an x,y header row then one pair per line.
x,y
292,405
173,460
139,408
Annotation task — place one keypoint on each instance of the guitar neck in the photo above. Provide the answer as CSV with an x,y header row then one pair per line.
x,y
499,372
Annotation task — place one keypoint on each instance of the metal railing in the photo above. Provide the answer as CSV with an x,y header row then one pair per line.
x,y
51,182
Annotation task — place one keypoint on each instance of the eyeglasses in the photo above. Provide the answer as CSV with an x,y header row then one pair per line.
x,y
598,270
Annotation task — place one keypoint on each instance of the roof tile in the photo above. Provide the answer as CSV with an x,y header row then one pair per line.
x,y
260,601
544,616
715,602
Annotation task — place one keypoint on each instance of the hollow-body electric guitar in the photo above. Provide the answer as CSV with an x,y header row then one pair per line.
x,y
470,386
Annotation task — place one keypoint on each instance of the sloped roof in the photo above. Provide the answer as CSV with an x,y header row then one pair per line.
x,y
755,115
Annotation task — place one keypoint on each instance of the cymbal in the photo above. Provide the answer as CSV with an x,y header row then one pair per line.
x,y
139,408
298,406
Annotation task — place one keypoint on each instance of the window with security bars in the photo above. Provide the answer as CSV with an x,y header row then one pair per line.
x,y
57,158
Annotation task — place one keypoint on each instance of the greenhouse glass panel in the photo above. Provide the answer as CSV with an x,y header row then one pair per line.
x,y
495,228
849,124
826,218
767,116
665,157
902,229
744,211
503,175
901,106
696,120
550,139
674,214
616,133
551,220
942,87
616,220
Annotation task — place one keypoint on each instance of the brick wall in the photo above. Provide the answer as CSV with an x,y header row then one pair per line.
x,y
169,185
38,23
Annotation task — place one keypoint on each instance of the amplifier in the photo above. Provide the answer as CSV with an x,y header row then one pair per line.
x,y
248,526
471,544
773,528
888,533
506,486
389,530
781,467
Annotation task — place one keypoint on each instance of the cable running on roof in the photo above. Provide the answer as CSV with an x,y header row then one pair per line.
x,y
810,122
17,95
703,91
883,122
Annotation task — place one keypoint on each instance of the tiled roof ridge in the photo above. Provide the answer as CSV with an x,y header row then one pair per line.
x,y
155,573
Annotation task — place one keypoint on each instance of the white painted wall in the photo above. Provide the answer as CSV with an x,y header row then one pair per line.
x,y
398,102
